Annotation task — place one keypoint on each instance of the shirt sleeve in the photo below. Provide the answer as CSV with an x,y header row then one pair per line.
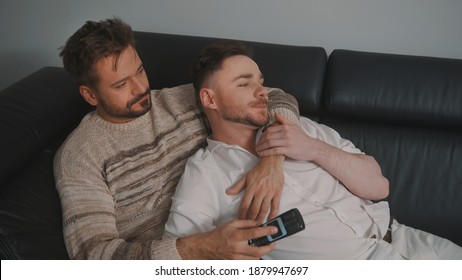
x,y
328,135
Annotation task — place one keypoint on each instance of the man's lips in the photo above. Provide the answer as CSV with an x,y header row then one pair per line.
x,y
138,99
259,104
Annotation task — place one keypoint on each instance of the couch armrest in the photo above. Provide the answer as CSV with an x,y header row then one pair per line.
x,y
36,114
33,113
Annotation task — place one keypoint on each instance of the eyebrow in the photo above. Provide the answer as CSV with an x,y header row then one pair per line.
x,y
247,76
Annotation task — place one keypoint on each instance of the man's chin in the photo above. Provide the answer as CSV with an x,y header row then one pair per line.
x,y
259,123
146,104
140,112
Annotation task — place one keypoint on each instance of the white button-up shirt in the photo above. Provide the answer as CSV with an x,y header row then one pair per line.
x,y
339,225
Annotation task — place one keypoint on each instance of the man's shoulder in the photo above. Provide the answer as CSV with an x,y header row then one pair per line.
x,y
174,93
200,159
308,121
176,102
86,126
313,127
86,132
180,89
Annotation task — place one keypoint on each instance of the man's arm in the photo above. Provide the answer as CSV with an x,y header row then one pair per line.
x,y
229,241
360,173
264,183
90,227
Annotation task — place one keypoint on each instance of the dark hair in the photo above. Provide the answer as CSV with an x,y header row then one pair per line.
x,y
211,59
92,42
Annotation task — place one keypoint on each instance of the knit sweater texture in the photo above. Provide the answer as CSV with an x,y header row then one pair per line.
x,y
115,181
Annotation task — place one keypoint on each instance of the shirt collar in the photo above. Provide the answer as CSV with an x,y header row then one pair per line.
x,y
213,144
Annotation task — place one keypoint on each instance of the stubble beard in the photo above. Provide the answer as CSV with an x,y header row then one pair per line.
x,y
237,115
128,112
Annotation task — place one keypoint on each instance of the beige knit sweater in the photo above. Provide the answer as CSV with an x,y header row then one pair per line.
x,y
115,181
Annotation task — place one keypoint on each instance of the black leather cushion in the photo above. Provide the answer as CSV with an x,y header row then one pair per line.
x,y
36,114
297,70
406,112
400,89
30,214
424,168
33,112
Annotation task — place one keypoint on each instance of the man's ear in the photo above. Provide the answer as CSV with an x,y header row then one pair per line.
x,y
207,97
88,94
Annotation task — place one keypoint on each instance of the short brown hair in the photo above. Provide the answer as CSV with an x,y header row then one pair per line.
x,y
92,42
211,59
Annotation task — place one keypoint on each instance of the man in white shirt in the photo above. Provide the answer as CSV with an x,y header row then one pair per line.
x,y
327,178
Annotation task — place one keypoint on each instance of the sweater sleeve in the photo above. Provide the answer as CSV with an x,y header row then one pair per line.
x,y
284,104
90,227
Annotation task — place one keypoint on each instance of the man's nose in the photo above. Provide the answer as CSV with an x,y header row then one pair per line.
x,y
262,91
138,87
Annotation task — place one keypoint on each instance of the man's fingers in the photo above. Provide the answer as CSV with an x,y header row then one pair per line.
x,y
281,119
260,232
277,151
238,187
275,206
264,208
262,250
251,229
246,201
255,206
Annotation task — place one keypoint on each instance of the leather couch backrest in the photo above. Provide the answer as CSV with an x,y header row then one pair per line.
x,y
295,69
399,89
406,112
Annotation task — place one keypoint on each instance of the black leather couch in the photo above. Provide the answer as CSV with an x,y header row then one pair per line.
x,y
406,111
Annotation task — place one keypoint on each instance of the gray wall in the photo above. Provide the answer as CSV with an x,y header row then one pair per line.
x,y
32,30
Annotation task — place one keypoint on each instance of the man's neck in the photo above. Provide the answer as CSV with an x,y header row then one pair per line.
x,y
241,135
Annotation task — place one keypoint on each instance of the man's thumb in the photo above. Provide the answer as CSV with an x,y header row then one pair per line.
x,y
281,119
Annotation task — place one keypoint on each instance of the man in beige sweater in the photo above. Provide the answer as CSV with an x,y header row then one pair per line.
x,y
117,171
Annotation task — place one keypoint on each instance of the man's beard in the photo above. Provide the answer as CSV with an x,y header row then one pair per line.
x,y
128,112
237,115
